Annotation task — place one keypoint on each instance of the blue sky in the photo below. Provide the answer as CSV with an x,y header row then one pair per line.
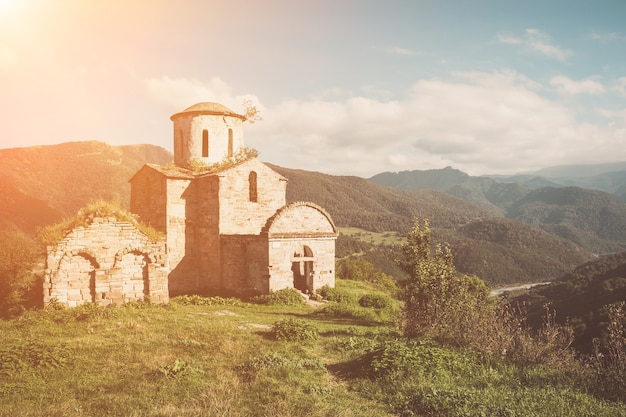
x,y
344,87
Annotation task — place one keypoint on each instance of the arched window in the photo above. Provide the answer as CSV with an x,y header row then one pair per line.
x,y
230,142
252,184
205,143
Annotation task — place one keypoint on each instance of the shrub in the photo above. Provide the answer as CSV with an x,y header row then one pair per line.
x,y
198,300
294,331
337,295
379,301
286,297
32,354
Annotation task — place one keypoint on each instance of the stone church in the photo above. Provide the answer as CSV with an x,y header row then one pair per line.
x,y
227,227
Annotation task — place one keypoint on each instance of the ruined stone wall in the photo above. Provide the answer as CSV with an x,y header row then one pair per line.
x,y
106,262
238,214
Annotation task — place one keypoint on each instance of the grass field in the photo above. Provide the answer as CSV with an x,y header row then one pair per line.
x,y
220,357
375,238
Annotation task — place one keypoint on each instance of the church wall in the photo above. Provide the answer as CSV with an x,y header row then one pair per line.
x,y
106,262
148,198
244,265
239,215
207,232
287,257
181,245
188,137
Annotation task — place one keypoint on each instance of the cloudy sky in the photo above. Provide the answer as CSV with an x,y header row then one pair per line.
x,y
347,87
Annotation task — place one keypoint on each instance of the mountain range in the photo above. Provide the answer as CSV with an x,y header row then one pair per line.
x,y
591,218
504,232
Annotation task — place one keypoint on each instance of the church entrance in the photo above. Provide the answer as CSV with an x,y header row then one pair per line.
x,y
302,267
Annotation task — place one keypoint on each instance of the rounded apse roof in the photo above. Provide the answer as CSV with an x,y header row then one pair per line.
x,y
209,108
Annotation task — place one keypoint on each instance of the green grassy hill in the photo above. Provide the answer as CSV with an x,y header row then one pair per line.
x,y
224,357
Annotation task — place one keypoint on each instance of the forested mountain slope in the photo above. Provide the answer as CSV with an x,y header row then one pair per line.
x,y
593,219
498,250
69,175
581,296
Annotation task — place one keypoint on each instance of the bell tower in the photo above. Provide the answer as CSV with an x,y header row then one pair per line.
x,y
206,132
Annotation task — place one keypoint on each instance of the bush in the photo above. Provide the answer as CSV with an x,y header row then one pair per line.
x,y
284,297
198,300
379,301
293,330
337,295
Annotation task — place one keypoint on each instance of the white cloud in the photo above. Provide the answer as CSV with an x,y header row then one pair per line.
x,y
179,93
536,41
606,37
620,86
479,122
566,85
396,50
511,40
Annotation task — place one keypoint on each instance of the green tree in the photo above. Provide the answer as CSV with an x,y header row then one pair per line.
x,y
17,258
438,302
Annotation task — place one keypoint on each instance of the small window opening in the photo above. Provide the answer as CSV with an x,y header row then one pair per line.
x,y
253,186
205,143
230,142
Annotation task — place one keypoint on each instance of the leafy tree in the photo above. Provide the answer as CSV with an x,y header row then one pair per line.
x,y
17,258
439,303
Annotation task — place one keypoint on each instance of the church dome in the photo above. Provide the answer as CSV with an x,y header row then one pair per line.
x,y
208,108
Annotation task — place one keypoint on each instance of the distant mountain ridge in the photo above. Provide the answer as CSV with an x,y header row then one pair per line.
x,y
60,179
593,219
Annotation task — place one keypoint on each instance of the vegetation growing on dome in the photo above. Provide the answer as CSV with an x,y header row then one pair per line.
x,y
197,166
53,234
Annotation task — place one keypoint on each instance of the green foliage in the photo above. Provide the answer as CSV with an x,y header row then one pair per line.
x,y
177,369
200,167
609,365
353,312
251,112
271,361
190,360
293,330
52,235
437,299
199,300
17,281
379,301
286,297
338,295
581,297
32,354
359,269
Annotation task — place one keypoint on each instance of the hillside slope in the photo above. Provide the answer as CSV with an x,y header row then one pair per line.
x,y
581,296
69,175
590,218
496,249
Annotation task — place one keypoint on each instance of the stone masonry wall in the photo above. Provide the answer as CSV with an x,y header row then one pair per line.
x,y
239,215
106,262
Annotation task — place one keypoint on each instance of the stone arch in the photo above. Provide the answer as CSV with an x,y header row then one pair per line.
x,y
75,278
132,266
285,210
